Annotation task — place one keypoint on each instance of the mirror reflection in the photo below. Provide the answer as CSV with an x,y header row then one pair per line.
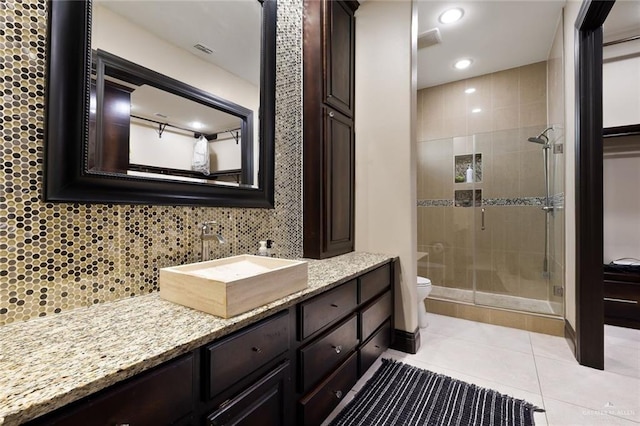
x,y
206,131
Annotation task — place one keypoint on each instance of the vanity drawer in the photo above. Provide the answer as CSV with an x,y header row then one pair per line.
x,y
374,282
321,356
316,406
322,310
163,395
233,358
378,343
263,403
375,314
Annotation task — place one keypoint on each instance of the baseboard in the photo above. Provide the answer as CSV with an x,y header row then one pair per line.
x,y
570,336
405,341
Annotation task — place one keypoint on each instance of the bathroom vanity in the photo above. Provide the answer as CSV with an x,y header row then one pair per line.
x,y
148,361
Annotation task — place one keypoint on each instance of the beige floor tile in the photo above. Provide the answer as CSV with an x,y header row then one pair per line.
x,y
563,414
535,367
554,347
588,387
623,360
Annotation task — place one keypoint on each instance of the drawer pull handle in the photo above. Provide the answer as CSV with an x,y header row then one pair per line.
x,y
333,305
338,394
257,349
613,299
377,346
331,114
337,348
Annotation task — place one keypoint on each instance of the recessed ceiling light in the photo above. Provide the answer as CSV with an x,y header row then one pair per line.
x,y
197,125
470,90
476,110
451,15
462,64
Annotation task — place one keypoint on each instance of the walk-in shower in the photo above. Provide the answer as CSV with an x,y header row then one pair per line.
x,y
490,190
496,242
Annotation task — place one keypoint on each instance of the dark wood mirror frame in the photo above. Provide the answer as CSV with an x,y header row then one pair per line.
x,y
67,125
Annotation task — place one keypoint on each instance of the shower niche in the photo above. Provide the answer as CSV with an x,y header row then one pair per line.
x,y
467,198
462,164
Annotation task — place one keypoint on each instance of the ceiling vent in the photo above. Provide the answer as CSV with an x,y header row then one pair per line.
x,y
201,47
429,38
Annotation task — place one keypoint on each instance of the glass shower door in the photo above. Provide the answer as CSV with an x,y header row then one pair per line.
x,y
512,235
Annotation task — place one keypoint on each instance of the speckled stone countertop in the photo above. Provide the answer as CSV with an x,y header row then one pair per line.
x,y
48,362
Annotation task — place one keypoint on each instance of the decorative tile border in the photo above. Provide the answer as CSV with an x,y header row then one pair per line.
x,y
558,200
435,203
523,201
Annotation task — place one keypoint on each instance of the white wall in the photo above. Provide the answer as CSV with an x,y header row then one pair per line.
x,y
621,91
621,206
570,14
174,149
385,142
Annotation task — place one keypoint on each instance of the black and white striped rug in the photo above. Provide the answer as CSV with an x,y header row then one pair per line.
x,y
400,394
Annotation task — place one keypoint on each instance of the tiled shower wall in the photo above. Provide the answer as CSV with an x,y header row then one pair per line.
x,y
55,257
508,254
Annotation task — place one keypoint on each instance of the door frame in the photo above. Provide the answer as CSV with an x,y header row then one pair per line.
x,y
589,183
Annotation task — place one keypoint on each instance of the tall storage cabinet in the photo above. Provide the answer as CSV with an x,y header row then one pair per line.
x,y
329,138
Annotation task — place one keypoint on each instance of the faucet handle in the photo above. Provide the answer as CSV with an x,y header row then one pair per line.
x,y
208,227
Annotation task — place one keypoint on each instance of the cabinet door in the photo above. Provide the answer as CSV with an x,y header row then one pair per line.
x,y
262,404
338,54
163,395
339,178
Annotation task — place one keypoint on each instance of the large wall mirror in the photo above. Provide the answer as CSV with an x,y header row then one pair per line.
x,y
161,102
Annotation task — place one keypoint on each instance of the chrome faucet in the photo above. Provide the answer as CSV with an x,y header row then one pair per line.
x,y
208,234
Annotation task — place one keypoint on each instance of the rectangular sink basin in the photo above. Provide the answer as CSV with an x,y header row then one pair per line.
x,y
233,285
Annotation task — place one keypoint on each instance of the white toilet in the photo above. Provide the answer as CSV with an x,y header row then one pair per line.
x,y
424,288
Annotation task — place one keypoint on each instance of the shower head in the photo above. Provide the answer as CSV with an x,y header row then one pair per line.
x,y
539,139
542,138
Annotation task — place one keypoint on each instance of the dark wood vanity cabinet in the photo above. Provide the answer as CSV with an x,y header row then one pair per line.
x,y
292,368
163,395
335,350
329,137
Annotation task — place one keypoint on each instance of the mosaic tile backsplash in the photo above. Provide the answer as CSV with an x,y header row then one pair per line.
x,y
55,257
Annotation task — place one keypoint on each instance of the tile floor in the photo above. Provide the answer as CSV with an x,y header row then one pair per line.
x,y
536,367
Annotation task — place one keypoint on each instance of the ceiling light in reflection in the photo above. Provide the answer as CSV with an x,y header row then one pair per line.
x,y
462,64
476,110
197,125
470,90
451,15
122,107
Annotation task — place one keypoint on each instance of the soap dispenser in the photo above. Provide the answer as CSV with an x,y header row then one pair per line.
x,y
469,174
262,250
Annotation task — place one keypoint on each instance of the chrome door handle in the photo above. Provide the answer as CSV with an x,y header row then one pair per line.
x,y
483,227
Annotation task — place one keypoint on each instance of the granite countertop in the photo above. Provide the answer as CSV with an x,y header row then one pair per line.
x,y
48,362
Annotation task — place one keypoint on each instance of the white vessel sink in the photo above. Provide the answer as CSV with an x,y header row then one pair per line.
x,y
233,285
